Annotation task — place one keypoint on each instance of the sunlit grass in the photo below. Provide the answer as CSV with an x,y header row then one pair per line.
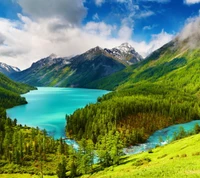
x,y
178,159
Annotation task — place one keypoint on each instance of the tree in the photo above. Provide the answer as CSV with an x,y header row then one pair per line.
x,y
61,169
196,129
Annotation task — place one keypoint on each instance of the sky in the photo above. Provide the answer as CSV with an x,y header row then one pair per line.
x,y
34,29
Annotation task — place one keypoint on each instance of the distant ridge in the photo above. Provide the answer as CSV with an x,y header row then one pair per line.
x,y
80,70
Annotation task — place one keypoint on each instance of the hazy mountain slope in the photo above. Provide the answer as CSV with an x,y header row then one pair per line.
x,y
78,71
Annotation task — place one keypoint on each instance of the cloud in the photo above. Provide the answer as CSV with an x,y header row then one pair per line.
x,y
95,17
2,39
27,41
191,33
125,33
99,2
68,11
144,14
149,27
55,27
189,2
100,28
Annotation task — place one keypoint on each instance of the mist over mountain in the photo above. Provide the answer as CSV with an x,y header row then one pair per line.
x,y
190,34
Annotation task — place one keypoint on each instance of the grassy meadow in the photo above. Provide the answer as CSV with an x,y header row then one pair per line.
x,y
181,158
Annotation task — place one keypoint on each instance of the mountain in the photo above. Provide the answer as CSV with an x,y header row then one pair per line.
x,y
125,52
7,69
162,90
168,65
80,70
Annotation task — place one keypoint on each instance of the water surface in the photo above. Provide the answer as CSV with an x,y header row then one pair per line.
x,y
160,137
48,106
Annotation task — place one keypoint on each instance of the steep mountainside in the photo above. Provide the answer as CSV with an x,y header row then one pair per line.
x,y
7,69
78,71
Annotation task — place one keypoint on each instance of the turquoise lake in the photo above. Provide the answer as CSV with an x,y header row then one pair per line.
x,y
48,106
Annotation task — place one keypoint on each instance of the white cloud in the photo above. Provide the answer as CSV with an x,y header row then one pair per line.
x,y
57,30
149,27
191,33
100,28
99,2
125,33
144,14
191,1
95,17
156,42
28,41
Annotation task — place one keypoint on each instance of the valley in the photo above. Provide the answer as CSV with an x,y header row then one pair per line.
x,y
100,111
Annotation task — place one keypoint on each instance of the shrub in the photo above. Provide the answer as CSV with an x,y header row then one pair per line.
x,y
183,155
162,156
196,154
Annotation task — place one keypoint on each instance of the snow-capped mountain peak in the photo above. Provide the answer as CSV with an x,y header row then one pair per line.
x,y
125,47
7,69
125,52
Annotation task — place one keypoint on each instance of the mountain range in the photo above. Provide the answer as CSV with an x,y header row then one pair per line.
x,y
80,70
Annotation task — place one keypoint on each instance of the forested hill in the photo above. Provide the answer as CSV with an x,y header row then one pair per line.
x,y
150,95
10,92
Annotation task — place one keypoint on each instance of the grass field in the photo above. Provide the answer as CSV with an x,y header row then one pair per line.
x,y
178,159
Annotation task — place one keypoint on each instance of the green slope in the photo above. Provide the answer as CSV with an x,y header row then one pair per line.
x,y
10,92
178,159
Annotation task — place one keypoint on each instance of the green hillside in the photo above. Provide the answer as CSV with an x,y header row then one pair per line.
x,y
179,159
160,91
